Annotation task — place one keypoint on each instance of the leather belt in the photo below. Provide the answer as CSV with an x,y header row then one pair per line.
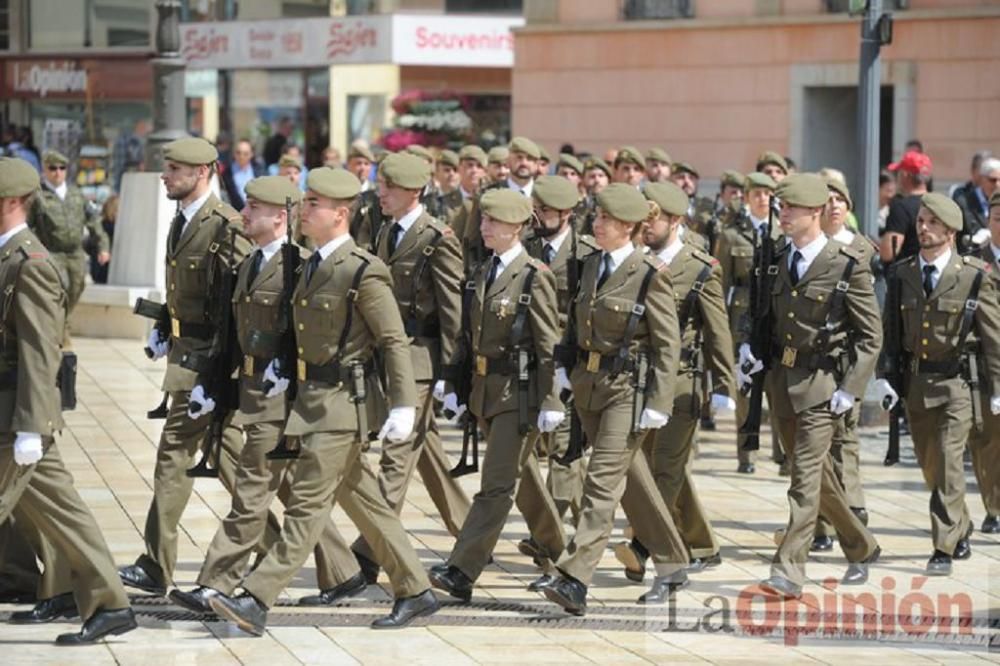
x,y
943,368
499,366
254,365
183,329
791,357
422,329
329,373
595,361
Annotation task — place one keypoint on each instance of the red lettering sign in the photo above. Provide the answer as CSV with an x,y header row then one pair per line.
x,y
203,47
345,40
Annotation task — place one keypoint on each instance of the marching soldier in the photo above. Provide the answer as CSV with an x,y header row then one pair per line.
x,y
447,177
596,176
772,165
367,219
949,337
822,301
343,310
37,486
570,168
700,209
497,167
425,262
630,166
472,173
58,216
257,312
513,319
658,166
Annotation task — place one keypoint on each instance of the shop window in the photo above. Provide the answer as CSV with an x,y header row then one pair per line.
x,y
483,6
633,10
56,24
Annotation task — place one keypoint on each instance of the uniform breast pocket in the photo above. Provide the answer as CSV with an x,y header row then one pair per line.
x,y
948,315
264,308
817,304
611,315
742,263
192,274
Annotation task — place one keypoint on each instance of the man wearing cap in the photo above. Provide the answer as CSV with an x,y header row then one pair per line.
x,y
262,412
514,326
423,153
37,487
570,168
58,216
630,166
290,167
913,173
700,209
472,174
497,167
359,163
974,203
949,322
343,311
447,179
773,165
822,302
596,176
367,220
658,166
544,162
205,239
425,262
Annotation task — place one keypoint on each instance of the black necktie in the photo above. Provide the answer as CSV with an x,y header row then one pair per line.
x,y
492,275
176,227
394,234
793,271
928,282
312,265
548,253
605,270
257,262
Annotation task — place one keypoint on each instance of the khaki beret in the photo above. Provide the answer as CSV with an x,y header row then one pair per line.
x,y
405,170
338,183
943,209
498,154
670,198
474,153
659,155
506,205
54,157
623,202
556,192
806,190
732,178
597,163
543,154
758,179
521,144
290,161
840,188
771,157
17,178
361,151
449,157
684,167
571,161
273,190
995,198
191,150
630,154
420,151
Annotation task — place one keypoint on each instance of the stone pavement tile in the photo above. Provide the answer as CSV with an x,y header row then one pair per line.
x,y
170,644
647,646
412,645
250,650
310,645
837,652
594,646
503,645
24,645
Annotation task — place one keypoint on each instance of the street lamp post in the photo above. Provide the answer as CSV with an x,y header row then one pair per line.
x,y
169,112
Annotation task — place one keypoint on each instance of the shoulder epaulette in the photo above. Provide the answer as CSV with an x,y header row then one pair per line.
x,y
587,240
976,262
537,264
40,254
850,252
703,256
654,262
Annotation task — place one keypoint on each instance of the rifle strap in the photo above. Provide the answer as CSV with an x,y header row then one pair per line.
x,y
419,267
352,296
969,314
688,304
638,310
835,313
521,313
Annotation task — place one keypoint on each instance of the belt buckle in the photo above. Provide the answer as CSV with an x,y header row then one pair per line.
x,y
301,370
175,327
248,366
593,361
788,357
481,364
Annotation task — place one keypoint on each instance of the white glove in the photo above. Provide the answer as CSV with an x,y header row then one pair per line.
x,y
562,381
995,405
743,380
650,419
886,392
841,402
723,403
549,419
158,346
747,357
27,448
438,391
399,425
205,405
450,404
981,236
280,384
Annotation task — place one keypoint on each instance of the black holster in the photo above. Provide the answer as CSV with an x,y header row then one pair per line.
x,y
66,380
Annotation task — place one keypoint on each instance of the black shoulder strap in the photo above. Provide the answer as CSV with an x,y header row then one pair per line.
x,y
969,314
687,307
521,314
420,266
638,310
837,304
352,297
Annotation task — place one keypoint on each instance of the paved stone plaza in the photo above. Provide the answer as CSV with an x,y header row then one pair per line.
x,y
898,617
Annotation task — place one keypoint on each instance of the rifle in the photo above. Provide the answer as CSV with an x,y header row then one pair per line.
x,y
577,437
892,360
460,376
160,315
712,226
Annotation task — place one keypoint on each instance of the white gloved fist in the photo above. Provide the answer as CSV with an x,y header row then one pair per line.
x,y
887,396
280,384
650,419
27,448
562,381
995,405
841,402
981,236
399,425
205,405
438,391
723,403
747,358
450,404
743,380
549,419
157,345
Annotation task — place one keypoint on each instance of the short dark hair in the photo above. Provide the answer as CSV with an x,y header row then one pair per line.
x,y
884,177
915,144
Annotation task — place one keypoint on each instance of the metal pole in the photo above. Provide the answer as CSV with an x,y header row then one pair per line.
x,y
869,119
169,104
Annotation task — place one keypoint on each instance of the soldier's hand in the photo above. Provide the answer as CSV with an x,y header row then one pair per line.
x,y
438,391
274,384
157,346
562,381
841,402
103,258
722,403
549,419
887,395
199,404
27,448
450,406
650,419
995,405
748,363
399,425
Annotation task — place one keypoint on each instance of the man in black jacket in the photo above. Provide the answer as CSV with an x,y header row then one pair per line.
x,y
973,198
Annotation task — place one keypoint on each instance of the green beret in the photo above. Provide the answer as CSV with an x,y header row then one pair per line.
x,y
995,198
771,157
361,151
17,178
191,150
758,179
290,161
337,183
54,157
659,155
597,163
421,152
684,167
474,153
623,202
498,154
943,209
521,144
630,154
506,205
732,178
405,170
670,198
543,154
840,188
571,161
556,192
806,190
449,157
273,190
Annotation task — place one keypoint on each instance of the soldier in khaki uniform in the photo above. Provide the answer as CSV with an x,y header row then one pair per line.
x,y
658,165
37,488
497,165
425,261
344,309
257,312
367,218
58,217
596,176
514,323
447,178
772,165
812,380
206,238
629,166
950,322
700,209
623,377
472,174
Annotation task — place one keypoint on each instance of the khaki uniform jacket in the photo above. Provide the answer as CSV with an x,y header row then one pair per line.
x,y
492,315
367,215
703,209
59,223
799,312
451,203
585,247
599,319
436,294
203,248
31,324
734,249
320,312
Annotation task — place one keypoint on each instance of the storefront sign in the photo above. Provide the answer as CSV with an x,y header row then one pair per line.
x,y
455,41
96,78
38,79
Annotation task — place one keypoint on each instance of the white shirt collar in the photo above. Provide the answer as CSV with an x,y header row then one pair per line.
x,y
809,253
329,248
940,263
192,208
366,185
13,232
465,195
271,249
844,236
407,220
60,191
526,190
755,221
668,253
557,241
508,257
996,252
619,256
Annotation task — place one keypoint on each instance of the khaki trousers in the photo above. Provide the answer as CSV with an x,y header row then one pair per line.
x,y
18,565
258,481
845,450
510,468
73,267
180,446
43,495
984,445
29,542
330,467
